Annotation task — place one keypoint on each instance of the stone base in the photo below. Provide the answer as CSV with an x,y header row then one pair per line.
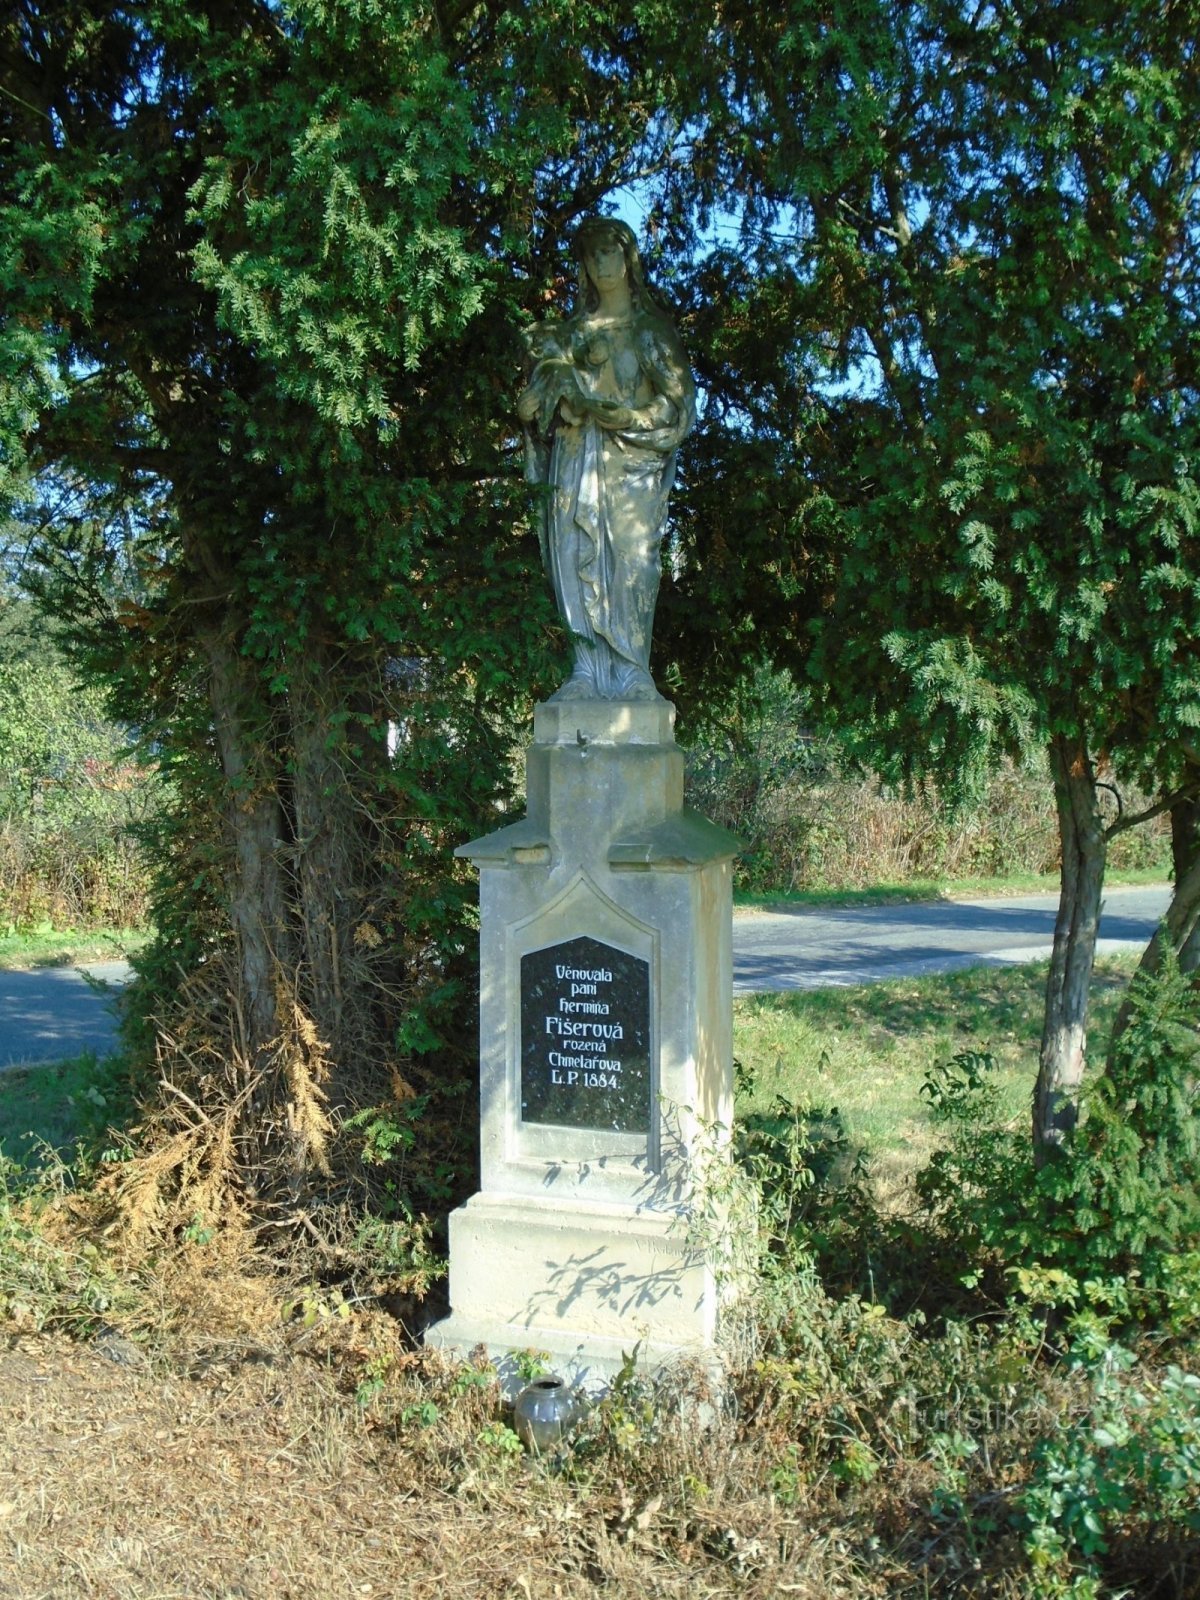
x,y
585,1284
589,1364
598,1104
601,722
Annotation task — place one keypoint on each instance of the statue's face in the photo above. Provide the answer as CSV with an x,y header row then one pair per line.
x,y
605,262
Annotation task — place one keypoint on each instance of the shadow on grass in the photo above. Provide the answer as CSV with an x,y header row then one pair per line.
x,y
870,1051
70,1111
980,1001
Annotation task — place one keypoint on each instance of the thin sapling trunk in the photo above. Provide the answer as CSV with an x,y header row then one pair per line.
x,y
1064,1034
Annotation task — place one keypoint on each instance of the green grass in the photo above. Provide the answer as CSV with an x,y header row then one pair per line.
x,y
863,1050
939,889
866,1050
67,947
61,1107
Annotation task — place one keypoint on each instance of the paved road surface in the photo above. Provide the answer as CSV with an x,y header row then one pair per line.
x,y
53,1013
804,949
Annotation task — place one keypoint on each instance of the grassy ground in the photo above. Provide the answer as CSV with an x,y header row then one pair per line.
x,y
218,1428
941,889
50,1108
865,1051
862,1051
68,947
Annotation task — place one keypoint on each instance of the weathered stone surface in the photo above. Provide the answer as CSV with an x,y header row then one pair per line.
x,y
607,908
602,722
610,397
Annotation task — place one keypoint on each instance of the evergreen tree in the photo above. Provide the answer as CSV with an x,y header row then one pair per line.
x,y
261,271
954,404
261,274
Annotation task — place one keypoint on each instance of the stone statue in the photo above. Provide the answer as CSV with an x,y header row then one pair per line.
x,y
609,398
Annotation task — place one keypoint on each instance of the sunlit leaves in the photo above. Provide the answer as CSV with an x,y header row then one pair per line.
x,y
986,222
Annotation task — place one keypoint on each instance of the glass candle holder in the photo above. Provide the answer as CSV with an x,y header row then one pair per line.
x,y
545,1412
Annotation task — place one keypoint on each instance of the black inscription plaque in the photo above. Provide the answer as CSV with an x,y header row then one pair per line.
x,y
585,1037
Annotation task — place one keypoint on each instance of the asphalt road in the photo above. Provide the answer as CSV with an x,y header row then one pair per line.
x,y
54,1012
802,949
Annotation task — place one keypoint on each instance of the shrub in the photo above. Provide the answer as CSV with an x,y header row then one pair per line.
x,y
1109,1229
813,1199
1124,1196
70,798
1129,1469
44,1284
812,820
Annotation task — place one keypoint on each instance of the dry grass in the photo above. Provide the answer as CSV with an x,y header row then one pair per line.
x,y
242,1468
242,1436
88,876
235,1433
819,831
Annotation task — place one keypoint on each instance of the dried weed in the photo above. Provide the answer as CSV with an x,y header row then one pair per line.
x,y
250,1472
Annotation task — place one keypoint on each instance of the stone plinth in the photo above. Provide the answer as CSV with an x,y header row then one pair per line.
x,y
605,1053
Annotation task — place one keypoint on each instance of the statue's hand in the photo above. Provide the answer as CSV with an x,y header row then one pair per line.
x,y
611,414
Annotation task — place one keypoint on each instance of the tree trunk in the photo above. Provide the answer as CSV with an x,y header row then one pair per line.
x,y
1183,914
1180,928
258,902
1064,1031
336,862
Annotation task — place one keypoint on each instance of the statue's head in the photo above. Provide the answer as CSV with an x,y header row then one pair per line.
x,y
594,231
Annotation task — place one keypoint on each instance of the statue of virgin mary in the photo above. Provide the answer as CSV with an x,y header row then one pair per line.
x,y
610,396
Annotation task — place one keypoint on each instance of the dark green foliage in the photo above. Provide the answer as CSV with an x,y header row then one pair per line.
x,y
812,1190
952,430
958,357
1119,1204
971,1184
262,274
1126,1197
1129,1467
1106,1236
1100,1481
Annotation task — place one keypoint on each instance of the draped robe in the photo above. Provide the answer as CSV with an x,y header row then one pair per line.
x,y
607,507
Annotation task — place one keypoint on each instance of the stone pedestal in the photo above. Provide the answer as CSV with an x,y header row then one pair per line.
x,y
605,1054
